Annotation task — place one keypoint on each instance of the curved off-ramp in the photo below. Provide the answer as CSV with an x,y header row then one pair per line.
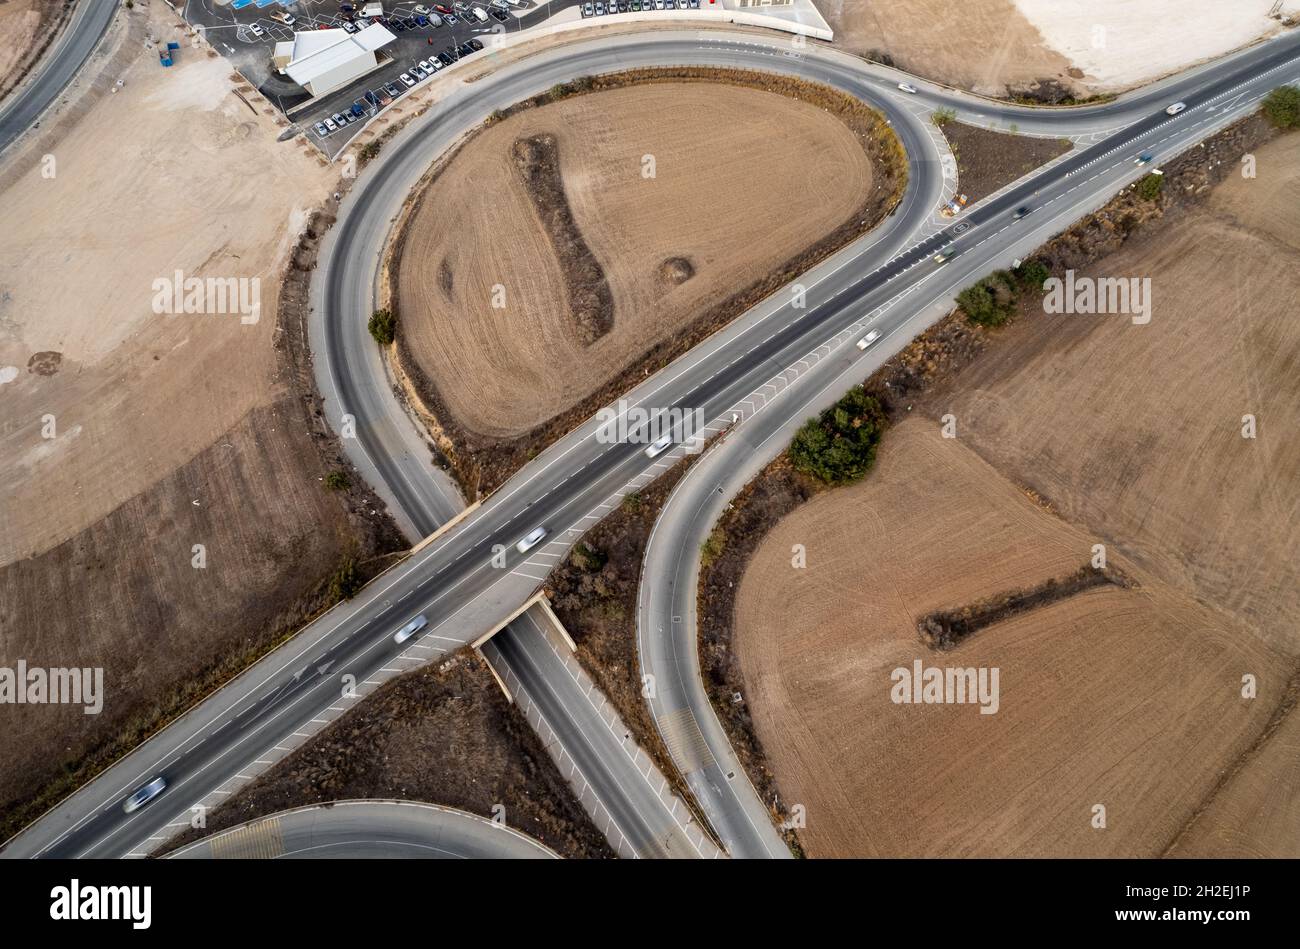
x,y
369,830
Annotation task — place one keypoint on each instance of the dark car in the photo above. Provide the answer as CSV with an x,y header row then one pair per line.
x,y
476,44
399,26
422,20
1022,211
392,89
465,49
499,14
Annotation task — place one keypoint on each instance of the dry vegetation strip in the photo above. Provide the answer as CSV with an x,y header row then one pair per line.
x,y
987,161
591,304
481,464
947,628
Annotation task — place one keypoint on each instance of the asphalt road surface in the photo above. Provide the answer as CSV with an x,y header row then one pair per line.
x,y
368,830
471,576
57,68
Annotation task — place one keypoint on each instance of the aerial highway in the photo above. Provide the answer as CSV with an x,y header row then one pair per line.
x,y
371,829
888,281
58,67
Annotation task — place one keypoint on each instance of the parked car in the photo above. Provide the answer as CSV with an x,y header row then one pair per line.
x,y
410,629
695,4
331,124
867,340
476,44
256,30
531,540
450,19
500,15
392,90
349,26
442,8
288,19
406,79
464,49
1176,108
419,74
358,109
445,58
142,796
588,10
321,130
422,21
422,9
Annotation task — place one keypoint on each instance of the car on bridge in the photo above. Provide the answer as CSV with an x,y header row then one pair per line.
x,y
531,540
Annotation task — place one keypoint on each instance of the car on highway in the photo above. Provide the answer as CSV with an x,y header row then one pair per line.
x,y
531,540
1022,211
143,795
944,255
1144,159
867,340
410,629
907,87
256,30
1176,108
658,446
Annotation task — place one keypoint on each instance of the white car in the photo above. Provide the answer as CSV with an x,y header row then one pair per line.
x,y
410,629
1176,108
421,9
256,30
867,340
659,446
330,124
531,540
907,87
142,796
406,80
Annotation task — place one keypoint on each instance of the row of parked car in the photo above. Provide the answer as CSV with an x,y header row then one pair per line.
x,y
602,8
378,98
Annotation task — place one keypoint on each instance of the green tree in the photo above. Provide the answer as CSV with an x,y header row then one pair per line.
x,y
942,117
839,447
1282,107
383,327
1149,188
345,582
1033,273
337,481
991,301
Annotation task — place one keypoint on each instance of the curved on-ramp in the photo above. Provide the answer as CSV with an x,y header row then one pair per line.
x,y
368,830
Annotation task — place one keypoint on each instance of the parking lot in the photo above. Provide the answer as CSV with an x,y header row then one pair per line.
x,y
429,38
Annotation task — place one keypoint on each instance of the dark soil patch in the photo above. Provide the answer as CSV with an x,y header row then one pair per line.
x,y
675,271
988,161
45,363
442,735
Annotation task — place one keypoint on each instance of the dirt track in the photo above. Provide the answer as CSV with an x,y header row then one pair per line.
x,y
503,370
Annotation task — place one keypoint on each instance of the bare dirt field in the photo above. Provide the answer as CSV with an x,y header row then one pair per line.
x,y
137,393
502,370
28,26
443,734
1092,425
1084,46
1125,698
988,161
986,46
169,430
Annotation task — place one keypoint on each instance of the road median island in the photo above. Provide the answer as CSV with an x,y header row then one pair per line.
x,y
936,373
492,384
989,160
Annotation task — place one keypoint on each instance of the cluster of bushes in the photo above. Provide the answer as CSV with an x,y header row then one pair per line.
x,y
839,447
383,327
1150,187
993,300
1282,107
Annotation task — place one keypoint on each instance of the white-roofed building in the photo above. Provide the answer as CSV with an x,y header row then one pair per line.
x,y
324,60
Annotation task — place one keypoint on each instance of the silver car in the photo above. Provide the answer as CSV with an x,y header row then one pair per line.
x,y
410,629
142,796
531,540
